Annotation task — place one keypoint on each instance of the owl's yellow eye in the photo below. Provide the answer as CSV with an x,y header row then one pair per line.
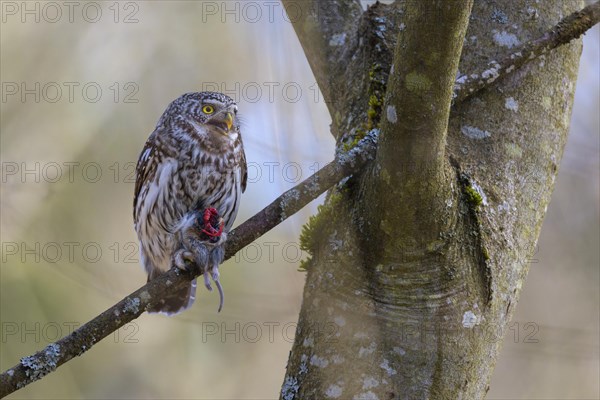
x,y
208,109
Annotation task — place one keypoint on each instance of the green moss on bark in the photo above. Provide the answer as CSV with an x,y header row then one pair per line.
x,y
473,198
317,226
376,91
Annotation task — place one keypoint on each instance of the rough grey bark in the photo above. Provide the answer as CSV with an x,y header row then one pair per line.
x,y
418,261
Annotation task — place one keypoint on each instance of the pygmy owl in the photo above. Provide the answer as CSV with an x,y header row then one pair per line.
x,y
189,179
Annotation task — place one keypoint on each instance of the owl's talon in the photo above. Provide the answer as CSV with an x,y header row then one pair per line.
x,y
183,259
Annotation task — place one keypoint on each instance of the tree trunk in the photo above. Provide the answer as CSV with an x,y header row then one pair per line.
x,y
417,263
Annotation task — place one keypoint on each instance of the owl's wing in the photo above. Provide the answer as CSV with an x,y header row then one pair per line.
x,y
144,171
243,165
244,170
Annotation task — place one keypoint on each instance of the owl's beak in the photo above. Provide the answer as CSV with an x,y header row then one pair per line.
x,y
223,121
228,120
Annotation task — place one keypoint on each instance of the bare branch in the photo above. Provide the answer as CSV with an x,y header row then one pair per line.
x,y
565,31
34,367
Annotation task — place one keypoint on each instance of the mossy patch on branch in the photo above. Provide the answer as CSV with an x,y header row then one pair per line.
x,y
473,197
376,91
316,229
377,84
485,253
417,82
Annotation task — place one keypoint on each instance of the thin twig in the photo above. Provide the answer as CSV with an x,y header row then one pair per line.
x,y
34,367
565,31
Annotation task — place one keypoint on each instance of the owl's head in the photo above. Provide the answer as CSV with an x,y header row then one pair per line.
x,y
207,108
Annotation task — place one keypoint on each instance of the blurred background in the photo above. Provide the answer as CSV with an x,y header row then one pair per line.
x,y
83,86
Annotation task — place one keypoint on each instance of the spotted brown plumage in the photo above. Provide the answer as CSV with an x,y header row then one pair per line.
x,y
194,160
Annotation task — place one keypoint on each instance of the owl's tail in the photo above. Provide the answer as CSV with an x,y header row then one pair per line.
x,y
176,302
